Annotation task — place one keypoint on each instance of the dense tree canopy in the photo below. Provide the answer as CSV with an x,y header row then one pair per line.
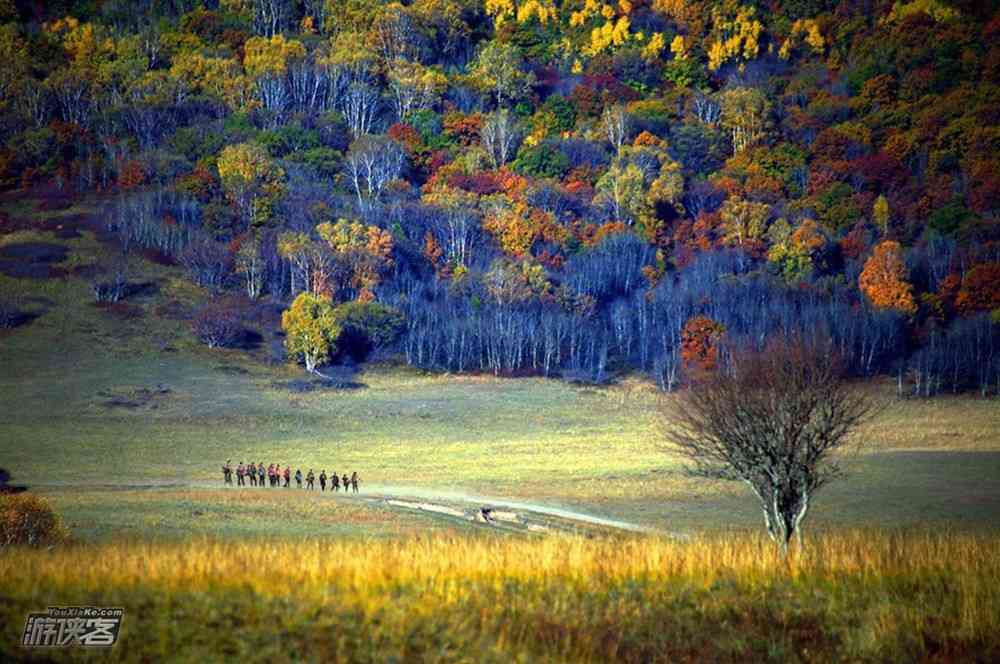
x,y
551,186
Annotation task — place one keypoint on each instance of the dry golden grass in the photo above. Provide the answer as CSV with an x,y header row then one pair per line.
x,y
854,595
951,422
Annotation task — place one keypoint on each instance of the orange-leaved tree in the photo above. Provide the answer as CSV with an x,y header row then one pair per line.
x,y
884,279
700,345
980,289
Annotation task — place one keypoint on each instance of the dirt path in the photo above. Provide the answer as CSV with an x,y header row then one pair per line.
x,y
526,514
515,515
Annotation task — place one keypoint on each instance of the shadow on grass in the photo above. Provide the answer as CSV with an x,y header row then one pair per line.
x,y
335,378
31,260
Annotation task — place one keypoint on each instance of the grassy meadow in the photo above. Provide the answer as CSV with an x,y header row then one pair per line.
x,y
96,398
121,420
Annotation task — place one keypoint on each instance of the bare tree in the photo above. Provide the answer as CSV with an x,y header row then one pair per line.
x,y
270,16
775,422
706,108
371,164
275,95
458,229
250,263
501,137
72,95
397,37
615,121
207,262
359,105
310,86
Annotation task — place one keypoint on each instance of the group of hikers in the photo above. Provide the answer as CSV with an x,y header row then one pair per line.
x,y
275,474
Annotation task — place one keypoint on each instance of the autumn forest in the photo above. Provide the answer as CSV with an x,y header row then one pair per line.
x,y
566,188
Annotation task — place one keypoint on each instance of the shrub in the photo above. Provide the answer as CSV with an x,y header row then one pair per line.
x,y
110,281
367,327
28,519
218,325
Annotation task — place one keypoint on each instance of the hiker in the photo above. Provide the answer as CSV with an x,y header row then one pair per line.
x,y
277,475
310,478
240,470
227,472
354,481
298,477
487,514
288,475
260,474
346,481
322,480
334,482
252,472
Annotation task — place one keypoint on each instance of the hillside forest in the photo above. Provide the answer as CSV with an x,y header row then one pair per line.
x,y
573,188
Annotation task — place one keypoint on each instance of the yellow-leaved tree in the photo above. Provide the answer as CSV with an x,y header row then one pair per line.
x,y
365,250
735,34
311,330
252,180
746,114
263,56
743,221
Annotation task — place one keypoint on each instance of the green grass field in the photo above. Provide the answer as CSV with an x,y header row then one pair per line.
x,y
92,399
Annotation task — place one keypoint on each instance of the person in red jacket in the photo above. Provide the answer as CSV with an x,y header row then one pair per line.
x,y
288,475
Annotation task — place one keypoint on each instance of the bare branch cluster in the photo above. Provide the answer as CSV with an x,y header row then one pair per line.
x,y
773,422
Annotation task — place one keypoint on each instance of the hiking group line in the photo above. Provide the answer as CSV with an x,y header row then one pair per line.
x,y
256,473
